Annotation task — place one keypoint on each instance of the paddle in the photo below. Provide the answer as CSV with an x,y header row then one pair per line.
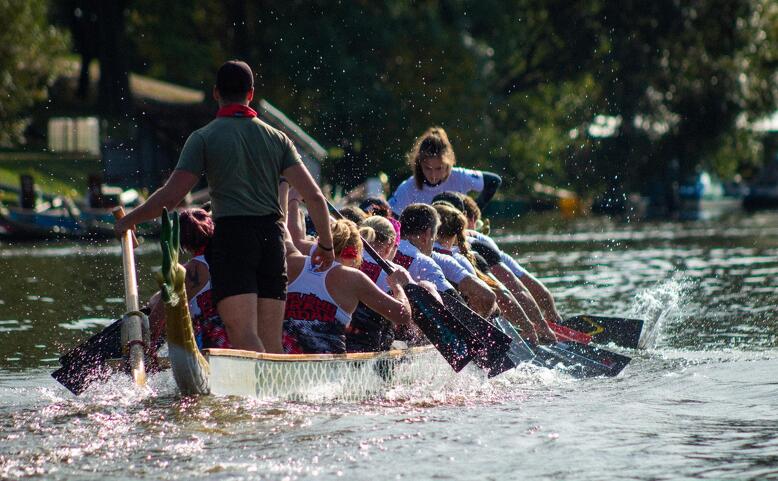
x,y
569,334
441,327
581,360
132,331
492,354
606,329
86,363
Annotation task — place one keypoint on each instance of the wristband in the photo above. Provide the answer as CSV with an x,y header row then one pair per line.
x,y
328,249
282,180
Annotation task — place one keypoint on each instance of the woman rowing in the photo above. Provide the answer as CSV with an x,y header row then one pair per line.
x,y
419,229
451,241
506,269
368,330
432,162
320,304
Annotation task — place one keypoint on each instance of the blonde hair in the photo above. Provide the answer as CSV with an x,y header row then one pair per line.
x,y
432,143
378,231
345,234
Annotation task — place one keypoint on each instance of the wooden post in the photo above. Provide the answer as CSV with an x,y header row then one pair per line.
x,y
132,331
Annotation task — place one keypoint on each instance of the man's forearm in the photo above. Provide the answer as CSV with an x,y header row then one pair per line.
x,y
150,209
169,195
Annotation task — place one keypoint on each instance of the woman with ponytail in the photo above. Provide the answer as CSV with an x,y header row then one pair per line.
x,y
320,304
452,241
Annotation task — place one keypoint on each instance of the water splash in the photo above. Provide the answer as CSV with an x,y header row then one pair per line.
x,y
657,305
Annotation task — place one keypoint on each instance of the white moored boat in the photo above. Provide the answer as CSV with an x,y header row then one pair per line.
x,y
352,376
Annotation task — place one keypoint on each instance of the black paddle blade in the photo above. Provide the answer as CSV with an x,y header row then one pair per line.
x,y
605,329
85,364
488,343
440,327
581,360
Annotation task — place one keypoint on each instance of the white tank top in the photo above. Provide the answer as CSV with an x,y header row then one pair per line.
x,y
313,322
194,306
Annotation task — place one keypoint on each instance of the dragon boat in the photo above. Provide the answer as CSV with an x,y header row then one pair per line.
x,y
348,376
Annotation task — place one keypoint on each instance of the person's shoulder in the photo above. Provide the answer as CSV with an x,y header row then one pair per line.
x,y
349,276
425,261
206,130
464,174
270,131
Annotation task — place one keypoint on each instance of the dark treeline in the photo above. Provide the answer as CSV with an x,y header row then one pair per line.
x,y
518,84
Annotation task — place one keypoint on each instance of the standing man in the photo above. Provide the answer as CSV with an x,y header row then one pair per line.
x,y
243,160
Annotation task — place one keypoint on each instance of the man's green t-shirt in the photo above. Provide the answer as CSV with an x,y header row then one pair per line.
x,y
242,158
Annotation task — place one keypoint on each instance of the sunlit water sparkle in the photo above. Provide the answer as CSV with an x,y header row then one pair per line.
x,y
699,403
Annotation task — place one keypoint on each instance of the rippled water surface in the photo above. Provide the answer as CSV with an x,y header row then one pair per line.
x,y
700,404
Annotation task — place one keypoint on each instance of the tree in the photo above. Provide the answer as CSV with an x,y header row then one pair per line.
x,y
30,51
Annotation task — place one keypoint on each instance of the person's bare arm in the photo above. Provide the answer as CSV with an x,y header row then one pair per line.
x,y
397,309
169,195
478,294
295,224
542,296
299,178
524,298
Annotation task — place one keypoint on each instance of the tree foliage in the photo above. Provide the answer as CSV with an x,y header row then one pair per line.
x,y
30,49
517,84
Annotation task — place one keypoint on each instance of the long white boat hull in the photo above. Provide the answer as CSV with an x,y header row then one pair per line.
x,y
301,377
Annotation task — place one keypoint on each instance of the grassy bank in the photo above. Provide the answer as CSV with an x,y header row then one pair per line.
x,y
63,174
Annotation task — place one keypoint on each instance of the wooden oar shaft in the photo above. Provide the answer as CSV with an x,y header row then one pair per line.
x,y
132,326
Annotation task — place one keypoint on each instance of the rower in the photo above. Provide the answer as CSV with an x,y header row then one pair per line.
x,y
505,267
320,304
451,241
527,290
419,229
368,330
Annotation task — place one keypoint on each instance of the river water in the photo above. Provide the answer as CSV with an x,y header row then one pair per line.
x,y
701,403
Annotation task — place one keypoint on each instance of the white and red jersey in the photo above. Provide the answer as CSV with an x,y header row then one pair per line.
x,y
485,245
421,267
453,271
313,322
208,326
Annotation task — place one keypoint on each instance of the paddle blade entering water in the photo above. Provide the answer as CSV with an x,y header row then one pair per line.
x,y
519,350
440,327
488,343
581,360
85,363
621,331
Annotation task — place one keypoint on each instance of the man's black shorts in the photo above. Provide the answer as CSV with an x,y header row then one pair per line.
x,y
248,257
